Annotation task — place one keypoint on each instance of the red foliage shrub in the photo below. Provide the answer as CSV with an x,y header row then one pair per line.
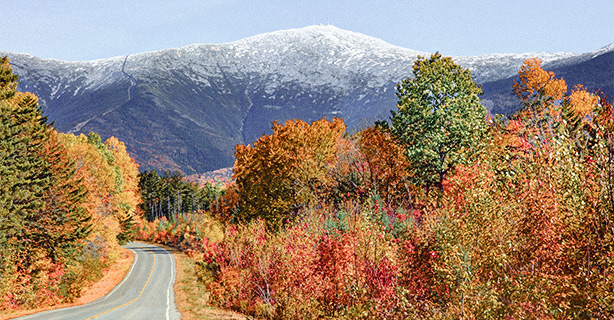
x,y
524,231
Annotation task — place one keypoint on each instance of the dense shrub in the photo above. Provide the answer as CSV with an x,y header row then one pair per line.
x,y
522,229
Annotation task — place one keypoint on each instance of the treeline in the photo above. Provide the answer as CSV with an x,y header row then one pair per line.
x,y
65,203
170,194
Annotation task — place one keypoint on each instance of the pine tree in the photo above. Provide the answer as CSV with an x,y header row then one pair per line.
x,y
8,80
24,176
42,224
61,225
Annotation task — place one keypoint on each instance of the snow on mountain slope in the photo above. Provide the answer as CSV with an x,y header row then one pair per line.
x,y
90,75
312,56
493,67
579,58
185,108
316,56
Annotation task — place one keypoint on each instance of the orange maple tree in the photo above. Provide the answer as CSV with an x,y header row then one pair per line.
x,y
282,171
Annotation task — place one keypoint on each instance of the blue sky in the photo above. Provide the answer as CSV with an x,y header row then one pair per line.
x,y
85,30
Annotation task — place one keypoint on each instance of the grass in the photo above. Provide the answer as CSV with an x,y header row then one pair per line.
x,y
112,278
191,296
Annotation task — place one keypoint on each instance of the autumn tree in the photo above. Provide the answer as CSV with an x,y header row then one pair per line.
x,y
111,178
282,171
387,164
42,223
128,197
539,90
94,169
439,118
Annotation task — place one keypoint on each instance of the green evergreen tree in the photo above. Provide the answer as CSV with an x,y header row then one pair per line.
x,y
150,185
24,175
171,194
40,198
8,80
439,118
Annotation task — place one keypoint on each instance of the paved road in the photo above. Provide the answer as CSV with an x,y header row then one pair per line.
x,y
145,293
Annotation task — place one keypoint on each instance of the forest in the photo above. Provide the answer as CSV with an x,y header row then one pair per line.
x,y
441,211
66,204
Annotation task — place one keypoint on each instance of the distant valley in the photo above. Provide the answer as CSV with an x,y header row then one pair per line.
x,y
186,108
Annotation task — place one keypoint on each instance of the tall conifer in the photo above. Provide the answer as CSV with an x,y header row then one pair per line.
x,y
41,218
24,176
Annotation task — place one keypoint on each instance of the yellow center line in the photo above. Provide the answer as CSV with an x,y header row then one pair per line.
x,y
140,293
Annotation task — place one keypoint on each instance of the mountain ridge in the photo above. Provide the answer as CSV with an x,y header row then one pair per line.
x,y
186,108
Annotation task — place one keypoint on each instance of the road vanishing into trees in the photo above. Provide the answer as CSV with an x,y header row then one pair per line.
x,y
145,293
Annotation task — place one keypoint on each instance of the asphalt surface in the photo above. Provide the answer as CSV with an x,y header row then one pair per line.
x,y
145,293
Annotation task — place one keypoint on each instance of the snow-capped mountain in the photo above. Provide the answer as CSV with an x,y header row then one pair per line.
x,y
186,108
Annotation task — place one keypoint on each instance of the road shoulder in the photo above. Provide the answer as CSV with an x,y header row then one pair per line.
x,y
191,296
110,280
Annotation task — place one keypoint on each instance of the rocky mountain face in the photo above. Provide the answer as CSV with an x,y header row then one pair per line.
x,y
186,108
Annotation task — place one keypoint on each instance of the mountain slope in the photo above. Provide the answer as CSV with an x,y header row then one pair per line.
x,y
187,108
593,70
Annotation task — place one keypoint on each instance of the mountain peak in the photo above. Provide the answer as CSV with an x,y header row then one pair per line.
x,y
323,35
310,31
186,108
321,28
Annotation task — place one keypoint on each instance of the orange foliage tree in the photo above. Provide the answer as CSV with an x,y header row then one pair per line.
x,y
539,90
282,171
387,164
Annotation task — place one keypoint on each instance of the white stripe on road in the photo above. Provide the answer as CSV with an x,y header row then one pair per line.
x,y
140,293
170,285
136,258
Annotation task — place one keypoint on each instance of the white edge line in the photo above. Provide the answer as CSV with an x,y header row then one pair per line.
x,y
136,257
170,285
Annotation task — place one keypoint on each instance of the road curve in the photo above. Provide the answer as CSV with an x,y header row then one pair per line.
x,y
145,293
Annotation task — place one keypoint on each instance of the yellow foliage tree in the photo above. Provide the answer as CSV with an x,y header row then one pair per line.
x,y
94,171
539,90
129,197
110,177
281,172
387,164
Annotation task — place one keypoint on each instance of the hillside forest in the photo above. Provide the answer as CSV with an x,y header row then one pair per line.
x,y
66,203
441,211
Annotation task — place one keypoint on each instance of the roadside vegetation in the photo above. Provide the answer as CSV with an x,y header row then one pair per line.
x,y
66,204
441,212
191,295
